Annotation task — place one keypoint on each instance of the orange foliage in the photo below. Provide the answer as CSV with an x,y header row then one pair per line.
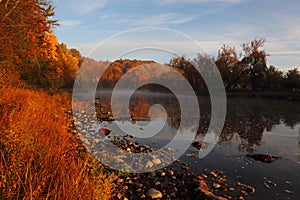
x,y
39,157
48,47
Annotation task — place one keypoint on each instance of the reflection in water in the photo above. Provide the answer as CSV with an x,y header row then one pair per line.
x,y
246,118
259,144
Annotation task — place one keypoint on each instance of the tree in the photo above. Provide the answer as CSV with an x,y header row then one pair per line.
x,y
229,67
292,79
274,78
187,69
68,63
24,28
255,61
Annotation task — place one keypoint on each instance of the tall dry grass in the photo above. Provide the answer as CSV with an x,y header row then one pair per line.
x,y
39,157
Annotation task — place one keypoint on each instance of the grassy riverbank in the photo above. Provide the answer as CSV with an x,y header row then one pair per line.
x,y
40,156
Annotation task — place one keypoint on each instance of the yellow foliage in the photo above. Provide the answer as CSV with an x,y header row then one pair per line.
x,y
49,47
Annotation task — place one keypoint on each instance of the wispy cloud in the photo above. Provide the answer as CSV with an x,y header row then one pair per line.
x,y
198,1
165,19
69,23
86,6
150,20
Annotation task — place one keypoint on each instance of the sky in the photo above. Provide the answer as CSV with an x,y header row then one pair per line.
x,y
84,24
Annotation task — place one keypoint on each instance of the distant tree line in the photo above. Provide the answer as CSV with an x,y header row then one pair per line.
x,y
244,71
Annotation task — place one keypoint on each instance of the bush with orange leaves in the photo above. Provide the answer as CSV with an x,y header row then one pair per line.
x,y
39,157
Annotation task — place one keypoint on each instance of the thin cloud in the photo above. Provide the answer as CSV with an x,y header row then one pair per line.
x,y
198,1
69,23
84,7
165,19
281,53
153,20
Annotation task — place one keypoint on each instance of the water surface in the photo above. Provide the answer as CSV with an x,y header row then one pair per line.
x,y
252,126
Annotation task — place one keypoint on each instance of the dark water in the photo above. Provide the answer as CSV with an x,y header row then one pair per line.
x,y
252,126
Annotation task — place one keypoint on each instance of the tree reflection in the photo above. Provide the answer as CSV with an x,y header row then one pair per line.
x,y
246,119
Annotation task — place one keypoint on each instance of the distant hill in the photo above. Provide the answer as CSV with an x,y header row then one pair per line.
x,y
137,72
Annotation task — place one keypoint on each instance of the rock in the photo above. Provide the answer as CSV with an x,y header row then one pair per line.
x,y
157,183
266,158
168,149
289,192
171,172
185,167
216,185
119,196
149,164
120,180
105,131
156,161
198,144
244,192
77,123
250,189
213,174
154,194
204,189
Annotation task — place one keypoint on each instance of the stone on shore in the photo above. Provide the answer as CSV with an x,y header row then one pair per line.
x,y
154,194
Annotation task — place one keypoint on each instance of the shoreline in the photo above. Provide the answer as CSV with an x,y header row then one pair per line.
x,y
290,96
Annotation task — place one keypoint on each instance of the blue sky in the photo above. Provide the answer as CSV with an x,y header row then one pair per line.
x,y
212,23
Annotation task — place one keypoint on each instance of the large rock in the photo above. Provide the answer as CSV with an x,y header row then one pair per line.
x,y
154,194
149,164
156,161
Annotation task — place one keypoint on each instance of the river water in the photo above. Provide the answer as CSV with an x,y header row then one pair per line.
x,y
252,126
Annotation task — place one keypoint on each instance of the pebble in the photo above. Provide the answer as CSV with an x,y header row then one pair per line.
x,y
105,131
216,185
185,167
171,172
289,191
154,194
149,164
156,161
119,196
213,174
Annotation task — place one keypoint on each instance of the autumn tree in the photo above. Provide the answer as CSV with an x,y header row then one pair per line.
x,y
29,49
255,61
23,25
229,66
188,70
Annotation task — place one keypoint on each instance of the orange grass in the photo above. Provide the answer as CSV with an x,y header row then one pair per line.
x,y
39,157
